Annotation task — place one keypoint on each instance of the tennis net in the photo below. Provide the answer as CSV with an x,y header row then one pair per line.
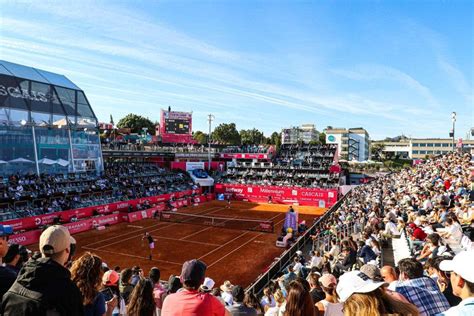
x,y
224,222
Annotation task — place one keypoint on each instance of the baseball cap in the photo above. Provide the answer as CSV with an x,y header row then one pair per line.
x,y
55,239
461,264
355,282
372,271
110,277
327,279
193,270
5,230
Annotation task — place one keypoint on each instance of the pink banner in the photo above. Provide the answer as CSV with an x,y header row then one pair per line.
x,y
26,238
245,156
286,195
46,219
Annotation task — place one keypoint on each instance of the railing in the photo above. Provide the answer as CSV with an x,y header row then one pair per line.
x,y
286,258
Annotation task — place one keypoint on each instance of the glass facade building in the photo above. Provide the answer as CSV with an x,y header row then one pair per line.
x,y
46,124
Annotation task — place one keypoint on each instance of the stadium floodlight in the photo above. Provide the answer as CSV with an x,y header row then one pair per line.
x,y
23,122
453,119
210,119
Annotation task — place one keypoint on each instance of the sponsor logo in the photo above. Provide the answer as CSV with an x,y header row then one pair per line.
x,y
331,138
37,221
16,92
311,194
17,239
270,191
234,190
122,205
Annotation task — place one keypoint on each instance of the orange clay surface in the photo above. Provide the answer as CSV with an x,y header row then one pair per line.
x,y
235,255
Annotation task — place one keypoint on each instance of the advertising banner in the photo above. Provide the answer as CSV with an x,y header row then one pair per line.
x,y
245,156
285,195
65,216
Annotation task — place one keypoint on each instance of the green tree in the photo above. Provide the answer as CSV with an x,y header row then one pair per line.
x,y
136,123
377,150
322,138
251,137
200,137
226,134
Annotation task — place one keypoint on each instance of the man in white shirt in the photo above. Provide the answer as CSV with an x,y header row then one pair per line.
x,y
462,281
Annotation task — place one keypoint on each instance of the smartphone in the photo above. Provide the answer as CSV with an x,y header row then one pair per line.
x,y
108,294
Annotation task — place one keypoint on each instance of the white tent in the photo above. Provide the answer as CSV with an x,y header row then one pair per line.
x,y
3,162
20,160
47,161
62,162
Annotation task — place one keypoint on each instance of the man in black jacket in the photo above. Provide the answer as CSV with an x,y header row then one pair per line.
x,y
7,277
44,285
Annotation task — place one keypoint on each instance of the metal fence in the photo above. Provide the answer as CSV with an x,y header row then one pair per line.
x,y
286,258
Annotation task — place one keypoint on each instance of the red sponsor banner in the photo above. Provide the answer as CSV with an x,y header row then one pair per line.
x,y
136,216
46,219
286,195
245,156
25,238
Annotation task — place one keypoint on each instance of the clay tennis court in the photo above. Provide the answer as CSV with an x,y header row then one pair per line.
x,y
230,254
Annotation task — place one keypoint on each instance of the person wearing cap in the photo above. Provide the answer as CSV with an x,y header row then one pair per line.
x,y
189,301
420,290
462,282
110,286
226,294
363,296
7,275
330,304
44,284
238,308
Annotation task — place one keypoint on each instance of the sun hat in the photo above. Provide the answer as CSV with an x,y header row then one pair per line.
x,y
227,286
355,282
208,284
110,277
372,271
55,239
461,264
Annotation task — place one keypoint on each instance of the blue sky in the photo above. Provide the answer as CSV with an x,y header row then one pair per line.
x,y
390,66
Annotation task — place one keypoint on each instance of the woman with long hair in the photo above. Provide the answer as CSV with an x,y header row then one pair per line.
x,y
251,301
376,303
279,302
299,301
141,301
86,273
363,296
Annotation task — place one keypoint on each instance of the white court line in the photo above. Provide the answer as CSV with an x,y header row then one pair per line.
x,y
133,256
136,231
188,241
251,239
133,226
149,231
212,251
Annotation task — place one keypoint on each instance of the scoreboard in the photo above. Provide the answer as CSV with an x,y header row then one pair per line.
x,y
176,123
177,126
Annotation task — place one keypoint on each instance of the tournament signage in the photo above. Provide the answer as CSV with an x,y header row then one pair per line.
x,y
286,195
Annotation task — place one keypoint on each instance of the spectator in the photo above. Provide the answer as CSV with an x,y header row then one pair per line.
x,y
159,291
190,301
6,275
462,282
226,294
110,281
442,280
362,296
389,275
330,304
366,253
251,301
316,292
124,284
420,290
299,302
238,308
174,284
347,261
47,278
268,299
13,260
279,304
86,274
141,300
